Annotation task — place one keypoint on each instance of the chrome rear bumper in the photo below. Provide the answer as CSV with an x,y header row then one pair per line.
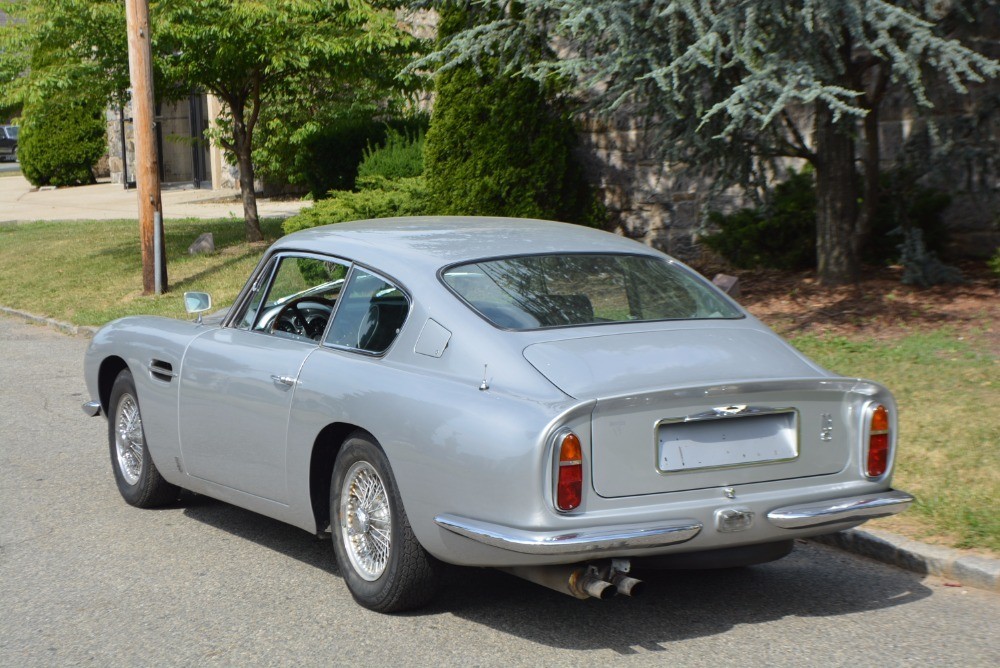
x,y
837,511
92,408
590,540
585,541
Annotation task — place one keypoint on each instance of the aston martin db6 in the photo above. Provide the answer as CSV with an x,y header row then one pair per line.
x,y
558,402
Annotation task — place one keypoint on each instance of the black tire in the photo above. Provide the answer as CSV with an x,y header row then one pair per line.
x,y
404,579
138,479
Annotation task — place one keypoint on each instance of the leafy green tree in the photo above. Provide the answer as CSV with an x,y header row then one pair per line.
x,y
733,86
77,46
61,63
250,53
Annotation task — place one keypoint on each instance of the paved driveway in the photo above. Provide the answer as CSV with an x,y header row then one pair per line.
x,y
85,578
108,201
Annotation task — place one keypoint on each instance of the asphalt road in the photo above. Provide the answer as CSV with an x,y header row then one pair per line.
x,y
10,166
84,578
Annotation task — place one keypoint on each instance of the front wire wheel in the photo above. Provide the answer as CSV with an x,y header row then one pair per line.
x,y
138,479
366,521
383,565
130,444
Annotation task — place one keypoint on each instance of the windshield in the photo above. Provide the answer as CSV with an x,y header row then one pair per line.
x,y
531,292
12,131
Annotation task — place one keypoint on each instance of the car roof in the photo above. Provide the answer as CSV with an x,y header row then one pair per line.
x,y
431,242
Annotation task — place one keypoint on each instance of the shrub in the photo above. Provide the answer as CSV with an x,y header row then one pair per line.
x,y
402,156
323,155
781,234
994,263
62,137
922,267
497,146
377,198
903,204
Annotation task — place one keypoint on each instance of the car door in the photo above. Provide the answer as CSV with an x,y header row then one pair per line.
x,y
237,382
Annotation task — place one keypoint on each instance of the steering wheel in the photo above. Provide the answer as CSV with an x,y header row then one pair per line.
x,y
368,327
306,317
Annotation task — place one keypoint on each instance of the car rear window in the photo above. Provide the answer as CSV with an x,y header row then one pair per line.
x,y
537,291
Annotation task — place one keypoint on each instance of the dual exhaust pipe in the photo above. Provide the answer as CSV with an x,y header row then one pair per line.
x,y
600,580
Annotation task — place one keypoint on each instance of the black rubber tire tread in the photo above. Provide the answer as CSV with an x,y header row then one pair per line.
x,y
410,578
151,490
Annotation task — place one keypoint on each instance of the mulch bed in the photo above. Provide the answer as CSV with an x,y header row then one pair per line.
x,y
878,307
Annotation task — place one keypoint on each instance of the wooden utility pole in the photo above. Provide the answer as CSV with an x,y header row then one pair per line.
x,y
147,174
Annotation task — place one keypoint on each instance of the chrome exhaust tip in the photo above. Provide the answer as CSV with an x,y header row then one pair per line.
x,y
627,586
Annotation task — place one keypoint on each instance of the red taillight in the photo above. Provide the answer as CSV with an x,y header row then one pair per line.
x,y
569,485
878,443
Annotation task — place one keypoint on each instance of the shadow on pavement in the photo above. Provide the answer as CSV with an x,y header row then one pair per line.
x,y
814,581
266,532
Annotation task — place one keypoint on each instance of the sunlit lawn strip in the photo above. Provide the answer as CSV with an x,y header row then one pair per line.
x,y
90,272
949,445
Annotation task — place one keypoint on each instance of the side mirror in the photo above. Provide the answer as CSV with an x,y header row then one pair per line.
x,y
197,302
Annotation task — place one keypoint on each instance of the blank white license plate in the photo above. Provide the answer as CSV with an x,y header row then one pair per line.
x,y
725,442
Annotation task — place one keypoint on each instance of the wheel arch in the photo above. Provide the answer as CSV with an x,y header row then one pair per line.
x,y
110,368
328,443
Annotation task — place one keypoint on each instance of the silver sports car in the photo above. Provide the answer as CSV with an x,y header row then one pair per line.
x,y
551,400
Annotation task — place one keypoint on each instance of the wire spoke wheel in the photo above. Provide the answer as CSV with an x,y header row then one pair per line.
x,y
129,442
383,564
366,521
136,475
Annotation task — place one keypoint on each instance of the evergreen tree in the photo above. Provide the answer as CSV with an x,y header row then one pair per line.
x,y
734,85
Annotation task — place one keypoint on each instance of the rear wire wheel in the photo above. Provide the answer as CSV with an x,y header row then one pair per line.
x,y
138,479
383,565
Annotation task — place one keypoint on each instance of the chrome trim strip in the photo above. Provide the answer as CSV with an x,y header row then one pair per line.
x,y
836,511
726,412
597,539
92,408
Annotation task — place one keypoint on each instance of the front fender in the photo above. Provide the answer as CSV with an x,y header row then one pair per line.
x,y
152,348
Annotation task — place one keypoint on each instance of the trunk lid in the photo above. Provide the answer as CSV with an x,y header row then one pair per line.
x,y
609,365
695,408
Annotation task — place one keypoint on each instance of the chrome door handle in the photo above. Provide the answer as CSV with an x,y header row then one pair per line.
x,y
287,381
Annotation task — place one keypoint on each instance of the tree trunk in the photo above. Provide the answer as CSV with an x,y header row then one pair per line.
x,y
242,148
836,199
870,184
875,91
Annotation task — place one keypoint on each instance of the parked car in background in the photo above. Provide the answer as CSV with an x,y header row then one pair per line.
x,y
552,400
8,142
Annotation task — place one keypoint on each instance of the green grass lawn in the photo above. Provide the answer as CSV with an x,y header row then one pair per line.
x,y
89,273
948,391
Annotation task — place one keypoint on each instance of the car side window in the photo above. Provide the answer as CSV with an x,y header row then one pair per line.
x,y
300,299
260,287
371,314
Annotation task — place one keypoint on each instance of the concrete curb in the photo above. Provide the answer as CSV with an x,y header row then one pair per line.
x,y
65,327
969,570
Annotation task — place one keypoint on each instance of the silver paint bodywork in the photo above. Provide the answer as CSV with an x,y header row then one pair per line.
x,y
467,413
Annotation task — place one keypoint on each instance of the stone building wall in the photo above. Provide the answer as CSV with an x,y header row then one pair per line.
x,y
646,199
116,157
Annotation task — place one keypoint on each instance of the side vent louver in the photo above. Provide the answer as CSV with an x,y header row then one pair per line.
x,y
161,370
